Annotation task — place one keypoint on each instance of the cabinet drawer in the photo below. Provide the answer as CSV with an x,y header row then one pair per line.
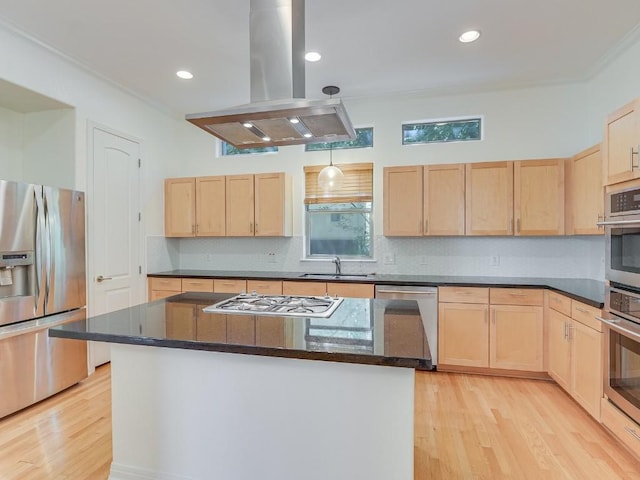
x,y
229,285
560,303
625,429
304,288
586,314
169,284
353,290
463,295
158,294
197,285
265,287
516,296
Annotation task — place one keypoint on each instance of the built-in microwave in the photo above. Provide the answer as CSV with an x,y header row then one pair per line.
x,y
622,229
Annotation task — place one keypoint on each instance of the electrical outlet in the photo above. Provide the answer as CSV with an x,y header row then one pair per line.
x,y
271,257
494,261
424,260
209,257
390,259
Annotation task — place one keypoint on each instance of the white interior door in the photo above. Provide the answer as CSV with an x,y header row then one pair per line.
x,y
114,229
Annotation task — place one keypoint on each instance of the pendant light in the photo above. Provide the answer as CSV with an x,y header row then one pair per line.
x,y
330,177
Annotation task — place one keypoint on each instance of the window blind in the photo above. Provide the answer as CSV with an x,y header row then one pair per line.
x,y
357,185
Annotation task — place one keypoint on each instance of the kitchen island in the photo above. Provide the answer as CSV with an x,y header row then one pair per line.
x,y
201,395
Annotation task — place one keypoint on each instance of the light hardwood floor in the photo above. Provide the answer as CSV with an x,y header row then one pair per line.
x,y
467,427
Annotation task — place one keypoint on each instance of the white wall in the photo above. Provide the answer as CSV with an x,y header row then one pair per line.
x,y
11,136
49,148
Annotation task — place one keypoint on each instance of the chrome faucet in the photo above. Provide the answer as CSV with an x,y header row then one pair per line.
x,y
338,265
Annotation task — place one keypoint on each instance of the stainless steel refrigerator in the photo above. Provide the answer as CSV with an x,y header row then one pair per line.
x,y
42,283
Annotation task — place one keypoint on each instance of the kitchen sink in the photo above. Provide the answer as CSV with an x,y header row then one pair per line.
x,y
342,276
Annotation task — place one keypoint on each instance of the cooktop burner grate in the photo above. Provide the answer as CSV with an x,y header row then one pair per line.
x,y
301,306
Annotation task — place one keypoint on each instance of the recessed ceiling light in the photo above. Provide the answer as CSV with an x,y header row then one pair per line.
x,y
470,36
266,139
308,135
294,120
312,56
184,74
247,125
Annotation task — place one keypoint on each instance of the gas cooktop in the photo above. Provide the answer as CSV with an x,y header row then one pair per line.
x,y
289,305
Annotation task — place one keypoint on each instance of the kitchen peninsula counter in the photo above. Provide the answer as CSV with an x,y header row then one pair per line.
x,y
587,291
277,394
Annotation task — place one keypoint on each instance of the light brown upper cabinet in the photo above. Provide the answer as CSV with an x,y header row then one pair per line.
x,y
240,205
489,198
620,144
402,188
194,206
443,198
440,191
210,206
584,193
258,205
273,208
179,207
538,203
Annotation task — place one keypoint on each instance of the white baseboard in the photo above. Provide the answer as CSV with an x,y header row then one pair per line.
x,y
127,472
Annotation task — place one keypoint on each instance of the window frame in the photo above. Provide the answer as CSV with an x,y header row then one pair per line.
x,y
371,127
240,153
430,121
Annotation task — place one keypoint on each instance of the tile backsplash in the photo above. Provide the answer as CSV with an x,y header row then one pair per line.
x,y
565,257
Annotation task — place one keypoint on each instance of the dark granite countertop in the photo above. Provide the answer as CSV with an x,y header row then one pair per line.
x,y
377,332
588,291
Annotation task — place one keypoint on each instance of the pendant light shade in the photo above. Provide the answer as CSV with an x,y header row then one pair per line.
x,y
330,178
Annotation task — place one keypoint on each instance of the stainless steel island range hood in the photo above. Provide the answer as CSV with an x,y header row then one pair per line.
x,y
278,113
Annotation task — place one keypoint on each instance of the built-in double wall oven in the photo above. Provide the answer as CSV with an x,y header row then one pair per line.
x,y
621,320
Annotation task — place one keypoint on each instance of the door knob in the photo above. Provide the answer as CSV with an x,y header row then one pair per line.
x,y
100,278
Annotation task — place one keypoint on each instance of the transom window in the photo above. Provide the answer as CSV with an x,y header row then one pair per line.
x,y
340,222
364,139
439,131
228,149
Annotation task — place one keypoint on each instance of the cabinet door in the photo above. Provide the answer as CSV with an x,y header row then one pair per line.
x,y
180,321
270,331
516,338
402,198
241,329
538,189
179,207
585,193
489,198
444,199
559,349
272,207
463,334
239,205
212,327
353,290
621,138
210,206
586,365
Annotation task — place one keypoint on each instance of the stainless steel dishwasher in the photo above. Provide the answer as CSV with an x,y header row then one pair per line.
x,y
427,299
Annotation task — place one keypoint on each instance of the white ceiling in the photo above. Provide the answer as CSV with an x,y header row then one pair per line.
x,y
369,47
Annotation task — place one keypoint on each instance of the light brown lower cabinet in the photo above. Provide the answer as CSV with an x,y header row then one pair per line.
x,y
575,351
180,321
472,332
622,427
229,285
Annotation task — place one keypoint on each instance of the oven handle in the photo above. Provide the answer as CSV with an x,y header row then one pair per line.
x,y
619,222
614,326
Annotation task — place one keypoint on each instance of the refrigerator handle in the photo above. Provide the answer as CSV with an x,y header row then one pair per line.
x,y
40,247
